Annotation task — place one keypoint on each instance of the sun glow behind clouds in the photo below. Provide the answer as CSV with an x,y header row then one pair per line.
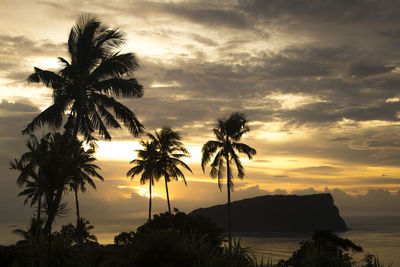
x,y
292,101
45,63
143,191
117,150
126,151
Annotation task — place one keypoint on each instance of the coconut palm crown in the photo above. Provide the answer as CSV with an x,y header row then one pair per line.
x,y
147,164
170,150
86,87
227,133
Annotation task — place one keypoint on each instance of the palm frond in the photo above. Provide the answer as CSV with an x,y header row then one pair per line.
x,y
48,78
243,148
208,150
52,116
115,66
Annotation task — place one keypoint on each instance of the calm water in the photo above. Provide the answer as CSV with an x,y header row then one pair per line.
x,y
377,235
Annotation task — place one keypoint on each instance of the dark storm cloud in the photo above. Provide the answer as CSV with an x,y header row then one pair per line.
x,y
331,11
325,112
364,69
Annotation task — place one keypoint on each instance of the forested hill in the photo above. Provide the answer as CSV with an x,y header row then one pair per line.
x,y
278,213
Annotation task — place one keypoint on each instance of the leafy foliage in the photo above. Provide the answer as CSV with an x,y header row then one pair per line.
x,y
170,150
124,238
86,87
325,249
190,226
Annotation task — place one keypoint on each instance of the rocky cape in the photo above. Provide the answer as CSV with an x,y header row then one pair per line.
x,y
278,213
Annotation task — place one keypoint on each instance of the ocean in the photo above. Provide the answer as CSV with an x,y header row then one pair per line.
x,y
377,235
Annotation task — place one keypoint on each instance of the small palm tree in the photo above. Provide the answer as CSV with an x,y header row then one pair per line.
x,y
82,232
81,171
31,175
170,150
227,132
85,87
147,164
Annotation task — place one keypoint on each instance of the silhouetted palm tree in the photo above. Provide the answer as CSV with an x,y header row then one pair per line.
x,y
147,164
82,232
86,85
56,168
170,150
82,170
31,175
227,132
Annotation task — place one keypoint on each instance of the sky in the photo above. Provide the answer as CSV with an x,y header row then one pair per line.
x,y
319,82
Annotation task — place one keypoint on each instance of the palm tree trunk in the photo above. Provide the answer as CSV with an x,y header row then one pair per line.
x,y
39,208
166,188
53,204
228,184
150,202
76,128
77,206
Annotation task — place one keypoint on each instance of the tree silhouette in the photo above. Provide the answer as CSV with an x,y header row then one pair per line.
x,y
82,170
170,150
227,133
56,168
79,234
86,85
31,175
147,164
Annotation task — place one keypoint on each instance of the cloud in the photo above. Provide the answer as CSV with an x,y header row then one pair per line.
x,y
18,107
323,12
210,17
362,70
17,53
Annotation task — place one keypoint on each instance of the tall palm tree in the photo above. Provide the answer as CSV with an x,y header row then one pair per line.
x,y
81,171
146,164
227,132
56,168
170,150
85,87
31,174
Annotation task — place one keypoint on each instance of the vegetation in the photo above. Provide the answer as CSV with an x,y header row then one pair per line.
x,y
227,132
85,87
146,164
193,241
51,167
170,151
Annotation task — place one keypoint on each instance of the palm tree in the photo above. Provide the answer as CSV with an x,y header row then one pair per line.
x,y
170,150
227,132
85,87
81,171
82,232
31,175
147,164
56,169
